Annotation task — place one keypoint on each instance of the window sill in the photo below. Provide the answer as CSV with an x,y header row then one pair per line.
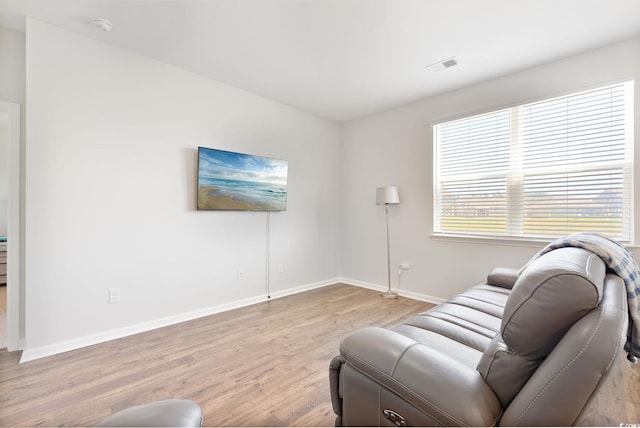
x,y
510,241
498,240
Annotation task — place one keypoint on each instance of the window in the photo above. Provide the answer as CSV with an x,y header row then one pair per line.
x,y
539,170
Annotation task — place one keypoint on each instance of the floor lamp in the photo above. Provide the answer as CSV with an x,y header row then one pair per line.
x,y
388,196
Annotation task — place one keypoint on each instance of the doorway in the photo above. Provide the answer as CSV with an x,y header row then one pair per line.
x,y
10,236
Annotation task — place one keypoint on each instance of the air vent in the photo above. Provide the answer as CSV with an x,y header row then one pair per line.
x,y
449,63
441,65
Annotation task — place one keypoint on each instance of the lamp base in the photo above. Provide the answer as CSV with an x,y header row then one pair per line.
x,y
389,295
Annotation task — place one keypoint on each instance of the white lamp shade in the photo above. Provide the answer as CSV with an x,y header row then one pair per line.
x,y
387,195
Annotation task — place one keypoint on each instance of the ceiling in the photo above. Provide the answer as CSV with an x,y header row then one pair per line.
x,y
343,59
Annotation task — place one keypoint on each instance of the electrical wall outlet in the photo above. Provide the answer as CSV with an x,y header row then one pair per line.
x,y
114,295
280,268
405,266
240,274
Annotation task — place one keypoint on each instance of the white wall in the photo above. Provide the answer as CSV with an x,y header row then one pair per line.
x,y
110,194
12,66
395,148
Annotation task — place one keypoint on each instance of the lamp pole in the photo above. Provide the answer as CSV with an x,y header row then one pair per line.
x,y
389,294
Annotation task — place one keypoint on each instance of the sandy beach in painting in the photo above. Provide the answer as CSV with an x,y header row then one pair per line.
x,y
210,199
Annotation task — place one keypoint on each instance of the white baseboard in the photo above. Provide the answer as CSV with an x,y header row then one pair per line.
x,y
307,287
404,293
94,339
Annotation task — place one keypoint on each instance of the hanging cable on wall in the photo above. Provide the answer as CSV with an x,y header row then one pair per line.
x,y
402,269
268,257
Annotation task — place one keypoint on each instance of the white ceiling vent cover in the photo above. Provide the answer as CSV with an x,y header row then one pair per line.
x,y
441,65
449,63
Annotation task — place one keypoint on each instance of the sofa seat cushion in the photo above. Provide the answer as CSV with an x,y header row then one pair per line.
x,y
463,326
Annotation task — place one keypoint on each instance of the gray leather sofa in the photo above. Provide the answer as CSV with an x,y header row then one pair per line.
x,y
528,349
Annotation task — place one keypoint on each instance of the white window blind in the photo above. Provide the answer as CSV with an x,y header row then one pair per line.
x,y
539,170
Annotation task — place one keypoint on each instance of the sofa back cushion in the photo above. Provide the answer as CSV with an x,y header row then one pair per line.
x,y
551,294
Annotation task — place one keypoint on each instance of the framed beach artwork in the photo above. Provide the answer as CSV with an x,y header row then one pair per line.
x,y
240,182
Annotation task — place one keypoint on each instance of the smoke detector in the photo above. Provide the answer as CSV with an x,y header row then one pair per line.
x,y
444,64
101,24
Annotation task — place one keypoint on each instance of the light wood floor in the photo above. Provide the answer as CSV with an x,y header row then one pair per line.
x,y
263,365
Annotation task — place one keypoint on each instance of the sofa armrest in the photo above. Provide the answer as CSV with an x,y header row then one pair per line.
x,y
503,277
440,387
334,387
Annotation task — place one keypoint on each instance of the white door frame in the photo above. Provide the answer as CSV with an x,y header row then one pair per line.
x,y
14,343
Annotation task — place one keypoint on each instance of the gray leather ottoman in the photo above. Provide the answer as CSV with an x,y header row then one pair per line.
x,y
165,413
